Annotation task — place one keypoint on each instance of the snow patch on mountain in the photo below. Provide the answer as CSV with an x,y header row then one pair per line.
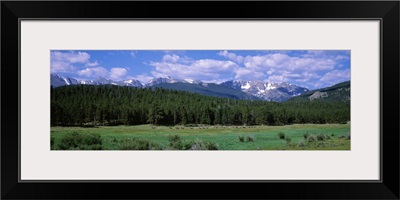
x,y
245,87
269,86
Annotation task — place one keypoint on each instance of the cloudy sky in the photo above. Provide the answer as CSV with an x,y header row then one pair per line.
x,y
311,69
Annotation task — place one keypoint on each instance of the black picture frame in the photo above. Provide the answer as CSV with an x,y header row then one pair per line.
x,y
386,11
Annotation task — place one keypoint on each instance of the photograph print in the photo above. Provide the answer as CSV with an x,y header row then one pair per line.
x,y
200,100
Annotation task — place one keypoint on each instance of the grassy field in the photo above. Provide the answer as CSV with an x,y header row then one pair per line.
x,y
320,136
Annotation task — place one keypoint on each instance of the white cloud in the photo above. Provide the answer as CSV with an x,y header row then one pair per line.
x,y
171,58
186,68
292,75
333,77
311,64
93,72
315,53
231,56
271,72
279,67
64,67
73,62
71,57
63,61
185,60
285,62
247,74
276,79
92,64
267,61
336,75
96,72
310,75
117,73
223,53
302,79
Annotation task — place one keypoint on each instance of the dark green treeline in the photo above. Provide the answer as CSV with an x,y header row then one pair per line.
x,y
117,105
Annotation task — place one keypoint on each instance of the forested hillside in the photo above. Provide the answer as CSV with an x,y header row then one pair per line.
x,y
115,105
210,89
336,93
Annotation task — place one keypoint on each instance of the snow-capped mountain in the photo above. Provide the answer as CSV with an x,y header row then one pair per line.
x,y
168,79
57,81
267,91
257,89
132,83
193,81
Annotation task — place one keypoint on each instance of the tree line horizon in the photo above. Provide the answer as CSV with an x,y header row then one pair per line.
x,y
109,105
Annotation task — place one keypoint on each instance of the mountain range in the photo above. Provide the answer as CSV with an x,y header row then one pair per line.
x,y
267,91
254,90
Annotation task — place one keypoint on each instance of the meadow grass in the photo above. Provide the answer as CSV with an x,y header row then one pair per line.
x,y
263,137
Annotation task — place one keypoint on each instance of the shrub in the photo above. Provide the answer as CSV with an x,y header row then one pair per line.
x,y
347,136
249,138
327,137
113,139
174,138
156,146
281,135
311,138
175,142
78,141
241,138
321,144
320,137
186,145
288,140
200,145
300,144
305,135
138,144
212,146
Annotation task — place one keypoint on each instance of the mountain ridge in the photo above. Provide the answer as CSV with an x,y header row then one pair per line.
x,y
239,89
338,92
267,91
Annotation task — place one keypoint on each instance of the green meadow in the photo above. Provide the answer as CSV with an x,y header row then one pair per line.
x,y
203,137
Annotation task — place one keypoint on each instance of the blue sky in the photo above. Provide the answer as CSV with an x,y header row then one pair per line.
x,y
311,69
